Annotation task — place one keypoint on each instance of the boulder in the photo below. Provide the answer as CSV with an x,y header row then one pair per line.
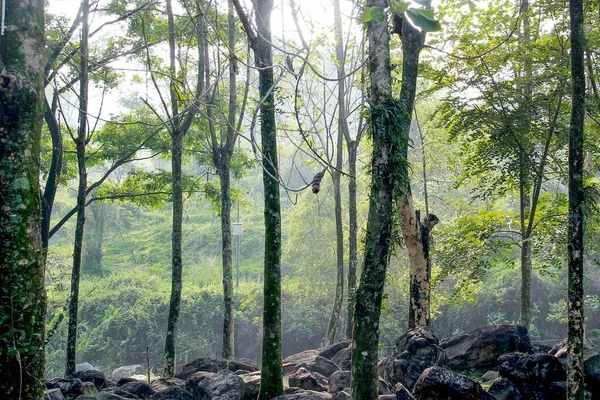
x,y
503,389
439,383
89,389
53,394
251,387
343,395
387,397
416,350
124,393
126,371
69,387
172,393
84,367
96,377
163,384
306,380
138,388
109,396
123,381
558,390
339,381
384,388
225,385
343,358
215,364
82,397
331,351
480,349
403,393
591,367
312,361
191,385
304,395
489,376
532,374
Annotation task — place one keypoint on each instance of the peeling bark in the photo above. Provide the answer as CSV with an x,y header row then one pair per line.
x,y
22,293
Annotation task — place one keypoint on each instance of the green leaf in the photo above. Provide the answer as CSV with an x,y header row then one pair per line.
x,y
427,13
373,14
421,21
399,6
424,3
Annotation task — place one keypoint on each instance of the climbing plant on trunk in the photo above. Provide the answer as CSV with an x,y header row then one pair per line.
x,y
22,293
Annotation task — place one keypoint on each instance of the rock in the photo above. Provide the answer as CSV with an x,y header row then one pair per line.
x,y
214,364
191,385
109,396
331,351
480,349
140,389
339,381
387,397
307,380
126,371
416,350
312,361
251,387
591,367
559,349
439,383
96,377
343,395
69,387
384,387
343,358
124,393
84,367
490,376
53,394
163,384
225,385
89,389
172,393
82,397
533,374
558,390
304,395
403,393
503,389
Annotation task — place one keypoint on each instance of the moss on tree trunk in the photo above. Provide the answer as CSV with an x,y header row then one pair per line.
x,y
22,294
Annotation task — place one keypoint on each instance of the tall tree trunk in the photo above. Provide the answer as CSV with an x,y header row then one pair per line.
x,y
336,177
177,136
226,152
415,232
22,293
228,332
575,376
524,211
352,234
271,384
80,144
384,172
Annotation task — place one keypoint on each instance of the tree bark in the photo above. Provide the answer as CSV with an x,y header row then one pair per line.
x,y
415,232
22,293
575,375
336,177
352,234
384,170
524,210
80,144
228,332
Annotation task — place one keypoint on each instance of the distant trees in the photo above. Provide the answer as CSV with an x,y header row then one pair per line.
x,y
22,293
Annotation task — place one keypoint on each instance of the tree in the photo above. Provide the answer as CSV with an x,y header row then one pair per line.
x,y
271,384
575,373
178,125
385,172
80,143
22,296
